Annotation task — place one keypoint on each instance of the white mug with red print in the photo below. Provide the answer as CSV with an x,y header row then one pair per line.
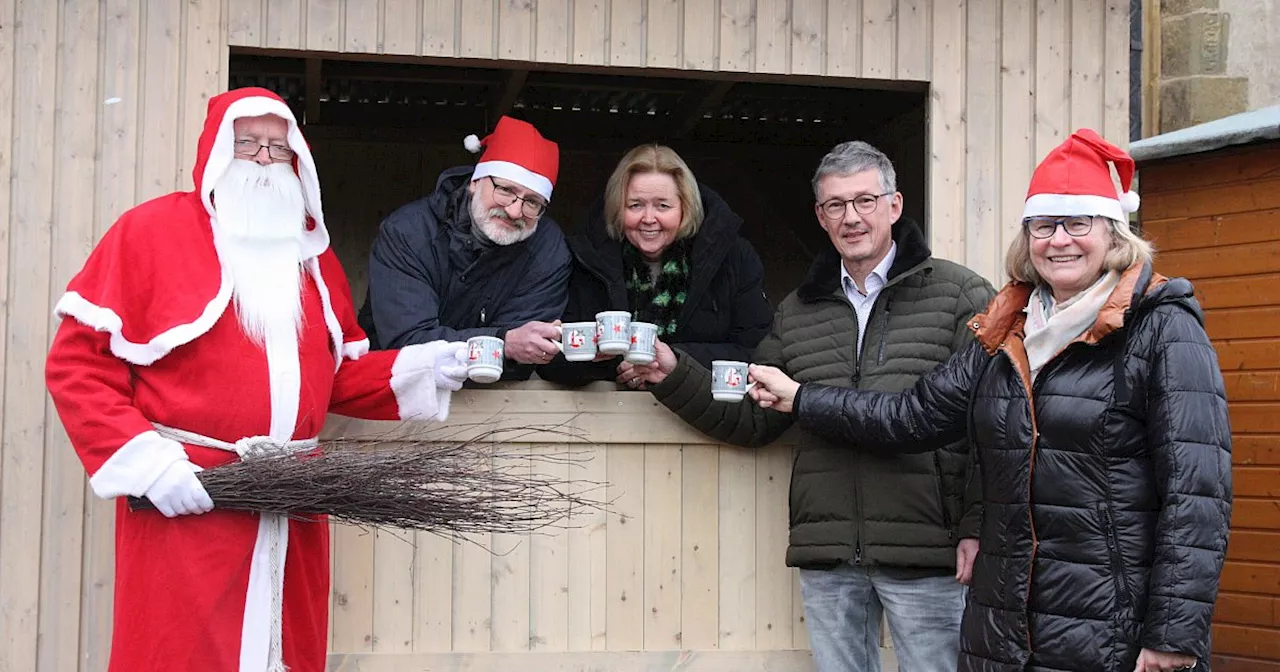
x,y
578,341
641,350
613,331
729,380
484,358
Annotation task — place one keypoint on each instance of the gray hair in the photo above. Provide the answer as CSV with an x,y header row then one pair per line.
x,y
850,158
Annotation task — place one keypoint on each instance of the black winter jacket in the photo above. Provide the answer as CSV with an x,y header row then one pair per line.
x,y
1107,497
725,313
429,281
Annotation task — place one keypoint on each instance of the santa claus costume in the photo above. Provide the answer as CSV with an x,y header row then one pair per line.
x,y
150,368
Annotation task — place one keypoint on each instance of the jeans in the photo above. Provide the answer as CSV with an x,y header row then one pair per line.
x,y
843,606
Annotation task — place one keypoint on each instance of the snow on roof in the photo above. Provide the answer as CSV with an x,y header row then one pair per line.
x,y
1238,129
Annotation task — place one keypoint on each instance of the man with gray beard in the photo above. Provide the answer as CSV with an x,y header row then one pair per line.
x,y
478,257
155,379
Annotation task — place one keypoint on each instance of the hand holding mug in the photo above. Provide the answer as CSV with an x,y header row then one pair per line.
x,y
774,389
664,362
533,342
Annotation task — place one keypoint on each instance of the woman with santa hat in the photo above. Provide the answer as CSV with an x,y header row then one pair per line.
x,y
1095,403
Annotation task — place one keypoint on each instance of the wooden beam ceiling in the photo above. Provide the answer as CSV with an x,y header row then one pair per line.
x,y
701,106
505,97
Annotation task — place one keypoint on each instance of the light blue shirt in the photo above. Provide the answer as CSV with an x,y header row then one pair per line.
x,y
863,301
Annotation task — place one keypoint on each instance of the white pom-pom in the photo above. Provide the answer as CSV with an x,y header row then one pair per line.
x,y
1129,201
472,143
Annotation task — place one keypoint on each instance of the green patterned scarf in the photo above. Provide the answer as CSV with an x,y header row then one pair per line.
x,y
657,300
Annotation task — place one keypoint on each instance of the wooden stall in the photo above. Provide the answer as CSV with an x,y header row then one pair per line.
x,y
1211,205
685,571
100,105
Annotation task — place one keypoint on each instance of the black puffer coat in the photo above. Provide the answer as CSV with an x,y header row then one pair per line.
x,y
726,312
1107,499
429,280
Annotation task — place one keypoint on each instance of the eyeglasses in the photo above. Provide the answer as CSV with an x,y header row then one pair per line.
x,y
504,196
1044,227
863,205
250,148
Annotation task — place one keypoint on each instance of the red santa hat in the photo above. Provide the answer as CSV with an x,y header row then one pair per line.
x,y
517,152
1074,179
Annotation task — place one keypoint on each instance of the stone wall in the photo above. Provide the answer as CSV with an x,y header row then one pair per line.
x,y
1197,37
1255,48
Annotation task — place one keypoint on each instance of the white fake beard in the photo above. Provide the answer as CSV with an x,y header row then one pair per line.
x,y
499,233
258,234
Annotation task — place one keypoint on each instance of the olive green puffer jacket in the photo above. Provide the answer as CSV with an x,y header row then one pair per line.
x,y
903,511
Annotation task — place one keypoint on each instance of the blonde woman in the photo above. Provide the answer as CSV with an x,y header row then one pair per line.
x,y
669,250
1095,403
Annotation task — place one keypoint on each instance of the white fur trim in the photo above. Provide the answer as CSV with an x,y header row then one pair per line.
x,y
1130,201
472,143
255,630
516,173
222,154
1066,205
413,380
355,349
136,465
284,380
143,354
330,318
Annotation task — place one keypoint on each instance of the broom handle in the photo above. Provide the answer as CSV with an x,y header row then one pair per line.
x,y
140,504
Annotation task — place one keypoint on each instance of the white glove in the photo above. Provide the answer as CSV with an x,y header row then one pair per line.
x,y
178,492
451,366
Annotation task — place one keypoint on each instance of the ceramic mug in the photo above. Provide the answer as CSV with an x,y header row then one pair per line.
x,y
578,341
613,331
484,358
641,350
729,380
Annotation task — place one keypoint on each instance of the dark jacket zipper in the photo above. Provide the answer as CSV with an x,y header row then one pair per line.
x,y
1117,563
884,328
942,495
857,379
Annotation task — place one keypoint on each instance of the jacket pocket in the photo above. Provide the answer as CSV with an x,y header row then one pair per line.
x,y
942,496
1123,596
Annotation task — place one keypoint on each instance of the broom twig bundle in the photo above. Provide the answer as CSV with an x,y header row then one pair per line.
x,y
437,484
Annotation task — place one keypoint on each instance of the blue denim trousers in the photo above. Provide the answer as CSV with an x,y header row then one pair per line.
x,y
843,608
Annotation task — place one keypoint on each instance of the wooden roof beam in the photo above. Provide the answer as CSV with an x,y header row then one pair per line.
x,y
710,100
507,95
313,85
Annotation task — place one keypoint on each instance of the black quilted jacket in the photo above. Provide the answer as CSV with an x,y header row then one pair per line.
x,y
1107,499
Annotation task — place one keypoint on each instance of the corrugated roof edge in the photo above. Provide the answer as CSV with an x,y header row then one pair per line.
x,y
1237,129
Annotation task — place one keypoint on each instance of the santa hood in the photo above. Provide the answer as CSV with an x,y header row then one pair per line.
x,y
215,153
155,281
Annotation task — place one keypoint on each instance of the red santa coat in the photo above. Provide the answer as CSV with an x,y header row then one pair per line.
x,y
147,338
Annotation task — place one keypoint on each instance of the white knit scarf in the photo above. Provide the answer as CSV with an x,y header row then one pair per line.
x,y
1051,326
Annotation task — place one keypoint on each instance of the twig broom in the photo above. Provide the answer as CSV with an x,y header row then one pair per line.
x,y
447,487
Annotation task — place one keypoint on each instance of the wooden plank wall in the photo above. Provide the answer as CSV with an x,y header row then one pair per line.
x,y
690,556
1216,220
100,105
101,102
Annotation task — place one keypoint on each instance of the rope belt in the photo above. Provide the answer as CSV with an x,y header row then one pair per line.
x,y
273,536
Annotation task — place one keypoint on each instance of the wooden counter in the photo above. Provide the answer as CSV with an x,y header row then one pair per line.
x,y
684,572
